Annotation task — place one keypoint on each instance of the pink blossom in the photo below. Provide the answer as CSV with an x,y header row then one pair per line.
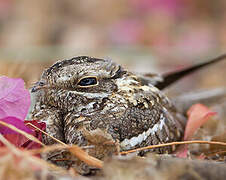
x,y
14,98
15,122
14,104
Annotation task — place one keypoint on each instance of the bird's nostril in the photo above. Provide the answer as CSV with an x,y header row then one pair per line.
x,y
33,89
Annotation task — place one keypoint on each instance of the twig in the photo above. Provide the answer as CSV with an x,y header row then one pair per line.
x,y
173,143
47,149
214,153
21,132
84,156
55,139
9,145
75,150
53,147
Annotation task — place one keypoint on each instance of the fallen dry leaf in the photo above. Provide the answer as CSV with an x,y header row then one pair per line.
x,y
198,114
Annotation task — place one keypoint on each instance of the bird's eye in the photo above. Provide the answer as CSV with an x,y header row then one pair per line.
x,y
88,81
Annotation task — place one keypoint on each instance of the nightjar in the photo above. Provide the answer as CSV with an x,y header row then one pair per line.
x,y
83,98
86,94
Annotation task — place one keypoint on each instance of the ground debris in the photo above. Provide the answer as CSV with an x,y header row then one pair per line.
x,y
163,168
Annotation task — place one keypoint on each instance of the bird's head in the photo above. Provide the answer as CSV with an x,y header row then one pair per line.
x,y
79,80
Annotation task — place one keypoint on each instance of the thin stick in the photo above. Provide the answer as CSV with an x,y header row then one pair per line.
x,y
47,149
9,145
173,143
57,140
53,147
85,157
75,150
214,153
25,154
22,132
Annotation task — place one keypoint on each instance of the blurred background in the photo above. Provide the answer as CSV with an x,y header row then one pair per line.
x,y
143,35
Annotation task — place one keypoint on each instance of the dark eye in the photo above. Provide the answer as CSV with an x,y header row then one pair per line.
x,y
88,81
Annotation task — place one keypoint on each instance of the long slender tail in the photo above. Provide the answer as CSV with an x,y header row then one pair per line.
x,y
170,78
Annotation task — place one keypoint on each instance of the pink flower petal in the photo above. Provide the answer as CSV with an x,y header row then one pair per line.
x,y
20,140
198,114
38,134
19,124
14,98
16,139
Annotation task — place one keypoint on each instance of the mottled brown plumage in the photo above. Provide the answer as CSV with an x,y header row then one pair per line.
x,y
85,94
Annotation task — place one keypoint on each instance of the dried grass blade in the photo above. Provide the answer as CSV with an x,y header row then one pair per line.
x,y
173,143
57,140
47,149
75,150
82,155
26,155
9,145
21,132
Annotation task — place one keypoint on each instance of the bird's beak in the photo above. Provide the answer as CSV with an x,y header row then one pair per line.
x,y
39,85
